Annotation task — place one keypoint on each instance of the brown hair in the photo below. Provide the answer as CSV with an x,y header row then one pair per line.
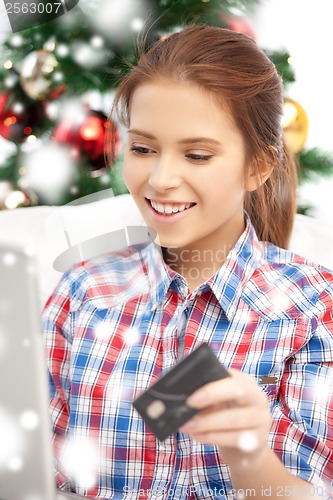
x,y
232,67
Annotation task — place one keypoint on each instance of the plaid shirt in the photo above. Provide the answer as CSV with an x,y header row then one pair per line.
x,y
115,324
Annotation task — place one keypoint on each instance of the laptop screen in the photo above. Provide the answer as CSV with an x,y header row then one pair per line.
x,y
26,462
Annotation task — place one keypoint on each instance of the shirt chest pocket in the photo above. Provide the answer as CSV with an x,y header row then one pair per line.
x,y
270,386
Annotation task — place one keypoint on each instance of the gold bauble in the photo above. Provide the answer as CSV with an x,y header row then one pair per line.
x,y
37,74
10,197
6,188
295,125
18,199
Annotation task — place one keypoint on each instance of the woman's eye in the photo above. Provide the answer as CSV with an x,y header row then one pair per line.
x,y
198,157
141,150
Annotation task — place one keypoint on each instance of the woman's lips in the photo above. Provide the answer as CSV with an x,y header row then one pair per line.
x,y
169,217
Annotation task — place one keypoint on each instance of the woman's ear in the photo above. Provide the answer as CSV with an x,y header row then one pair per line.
x,y
258,174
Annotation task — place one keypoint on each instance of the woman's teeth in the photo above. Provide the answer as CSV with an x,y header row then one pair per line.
x,y
169,208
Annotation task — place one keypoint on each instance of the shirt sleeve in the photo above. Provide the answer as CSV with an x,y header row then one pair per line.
x,y
57,340
302,419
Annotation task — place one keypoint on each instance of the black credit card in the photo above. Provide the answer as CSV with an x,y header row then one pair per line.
x,y
163,406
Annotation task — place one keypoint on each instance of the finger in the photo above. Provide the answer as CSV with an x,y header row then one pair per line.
x,y
247,441
240,388
222,420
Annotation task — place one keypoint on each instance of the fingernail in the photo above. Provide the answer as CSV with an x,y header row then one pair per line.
x,y
197,398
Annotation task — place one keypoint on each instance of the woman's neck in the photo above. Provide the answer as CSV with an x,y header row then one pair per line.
x,y
195,265
199,261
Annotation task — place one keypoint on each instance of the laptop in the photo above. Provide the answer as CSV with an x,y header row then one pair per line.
x,y
26,460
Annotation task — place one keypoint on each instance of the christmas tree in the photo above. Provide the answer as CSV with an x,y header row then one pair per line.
x,y
57,81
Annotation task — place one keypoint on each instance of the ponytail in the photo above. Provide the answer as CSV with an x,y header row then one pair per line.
x,y
272,206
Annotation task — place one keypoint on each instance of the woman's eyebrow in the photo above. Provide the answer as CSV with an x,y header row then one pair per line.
x,y
188,140
142,133
193,140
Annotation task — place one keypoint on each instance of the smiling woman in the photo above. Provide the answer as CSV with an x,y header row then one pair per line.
x,y
248,93
176,167
206,164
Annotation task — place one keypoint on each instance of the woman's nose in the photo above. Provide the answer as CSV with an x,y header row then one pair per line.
x,y
165,174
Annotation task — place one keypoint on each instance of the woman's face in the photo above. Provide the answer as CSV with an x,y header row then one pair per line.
x,y
185,166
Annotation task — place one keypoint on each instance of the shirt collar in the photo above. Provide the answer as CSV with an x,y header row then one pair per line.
x,y
242,261
159,274
227,284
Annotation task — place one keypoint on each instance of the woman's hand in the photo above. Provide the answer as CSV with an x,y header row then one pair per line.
x,y
234,417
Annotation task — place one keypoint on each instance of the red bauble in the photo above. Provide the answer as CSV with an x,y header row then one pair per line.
x,y
54,94
17,118
88,137
239,24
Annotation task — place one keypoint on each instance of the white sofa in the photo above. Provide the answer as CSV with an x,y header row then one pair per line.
x,y
98,225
